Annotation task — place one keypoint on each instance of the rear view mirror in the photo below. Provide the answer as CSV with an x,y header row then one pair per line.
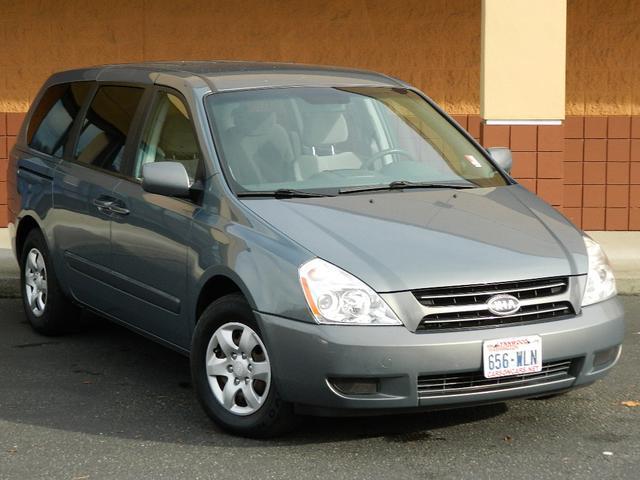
x,y
502,156
166,178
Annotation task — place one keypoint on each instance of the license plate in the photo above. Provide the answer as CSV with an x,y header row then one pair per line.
x,y
512,356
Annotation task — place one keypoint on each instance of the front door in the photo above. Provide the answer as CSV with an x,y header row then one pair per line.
x,y
150,242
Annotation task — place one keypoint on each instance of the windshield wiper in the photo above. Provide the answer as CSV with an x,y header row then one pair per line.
x,y
282,193
402,184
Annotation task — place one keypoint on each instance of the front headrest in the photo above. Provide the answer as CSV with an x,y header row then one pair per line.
x,y
324,128
179,139
253,123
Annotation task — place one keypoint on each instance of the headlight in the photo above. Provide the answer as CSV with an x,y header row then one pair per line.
x,y
337,297
601,283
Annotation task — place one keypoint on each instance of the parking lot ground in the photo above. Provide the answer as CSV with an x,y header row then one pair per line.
x,y
108,404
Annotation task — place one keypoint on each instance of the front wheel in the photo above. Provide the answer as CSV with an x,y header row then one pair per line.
x,y
232,372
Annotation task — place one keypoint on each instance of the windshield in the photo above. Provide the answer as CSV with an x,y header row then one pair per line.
x,y
322,139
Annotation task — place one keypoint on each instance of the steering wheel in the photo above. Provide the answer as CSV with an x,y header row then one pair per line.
x,y
389,151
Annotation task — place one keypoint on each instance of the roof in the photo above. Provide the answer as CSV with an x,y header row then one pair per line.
x,y
233,75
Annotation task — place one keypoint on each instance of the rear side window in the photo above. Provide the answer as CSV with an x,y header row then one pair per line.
x,y
53,117
105,128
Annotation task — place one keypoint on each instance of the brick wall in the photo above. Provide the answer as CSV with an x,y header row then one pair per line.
x,y
538,153
9,126
589,168
602,172
3,170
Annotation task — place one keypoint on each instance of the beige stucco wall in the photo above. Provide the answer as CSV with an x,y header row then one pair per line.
x,y
434,44
603,57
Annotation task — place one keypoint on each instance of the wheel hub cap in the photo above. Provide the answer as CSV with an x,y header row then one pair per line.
x,y
35,279
238,368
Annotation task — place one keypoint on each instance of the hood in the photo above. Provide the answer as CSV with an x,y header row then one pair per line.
x,y
405,240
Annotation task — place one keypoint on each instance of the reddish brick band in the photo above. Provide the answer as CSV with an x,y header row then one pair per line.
x,y
602,172
589,167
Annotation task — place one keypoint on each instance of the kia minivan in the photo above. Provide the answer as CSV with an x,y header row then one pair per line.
x,y
317,240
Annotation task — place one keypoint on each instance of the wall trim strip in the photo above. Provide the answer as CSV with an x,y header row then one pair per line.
x,y
523,122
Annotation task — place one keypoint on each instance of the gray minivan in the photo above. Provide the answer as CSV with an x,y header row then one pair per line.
x,y
317,240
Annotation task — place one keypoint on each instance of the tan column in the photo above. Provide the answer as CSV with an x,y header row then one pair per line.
x,y
523,60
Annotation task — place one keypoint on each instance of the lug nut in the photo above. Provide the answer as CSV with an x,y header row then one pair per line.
x,y
244,356
234,355
236,381
230,369
246,380
250,368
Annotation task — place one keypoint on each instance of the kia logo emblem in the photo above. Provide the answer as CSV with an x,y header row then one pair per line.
x,y
503,304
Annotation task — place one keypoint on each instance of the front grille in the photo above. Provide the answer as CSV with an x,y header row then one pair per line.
x,y
474,382
484,318
462,307
478,294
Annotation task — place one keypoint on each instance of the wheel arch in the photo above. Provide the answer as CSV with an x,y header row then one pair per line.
x,y
25,226
216,284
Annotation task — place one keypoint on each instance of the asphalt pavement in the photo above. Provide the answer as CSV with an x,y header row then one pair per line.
x,y
108,404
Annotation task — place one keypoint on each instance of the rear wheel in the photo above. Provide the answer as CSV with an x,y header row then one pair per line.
x,y
46,307
232,372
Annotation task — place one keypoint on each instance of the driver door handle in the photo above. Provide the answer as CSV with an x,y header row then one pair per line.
x,y
111,205
118,209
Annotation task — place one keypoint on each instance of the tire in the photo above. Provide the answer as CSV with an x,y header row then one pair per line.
x,y
220,377
49,312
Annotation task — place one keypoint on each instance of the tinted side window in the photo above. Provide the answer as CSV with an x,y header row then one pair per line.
x,y
104,130
52,119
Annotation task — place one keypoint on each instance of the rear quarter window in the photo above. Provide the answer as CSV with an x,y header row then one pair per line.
x,y
53,118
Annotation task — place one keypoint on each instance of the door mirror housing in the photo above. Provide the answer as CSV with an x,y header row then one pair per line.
x,y
166,178
502,156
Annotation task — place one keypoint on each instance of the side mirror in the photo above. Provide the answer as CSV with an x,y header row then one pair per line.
x,y
166,178
502,156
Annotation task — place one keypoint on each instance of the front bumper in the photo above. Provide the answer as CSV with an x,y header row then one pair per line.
x,y
305,356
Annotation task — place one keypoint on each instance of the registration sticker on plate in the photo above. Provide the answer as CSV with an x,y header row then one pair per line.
x,y
512,356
